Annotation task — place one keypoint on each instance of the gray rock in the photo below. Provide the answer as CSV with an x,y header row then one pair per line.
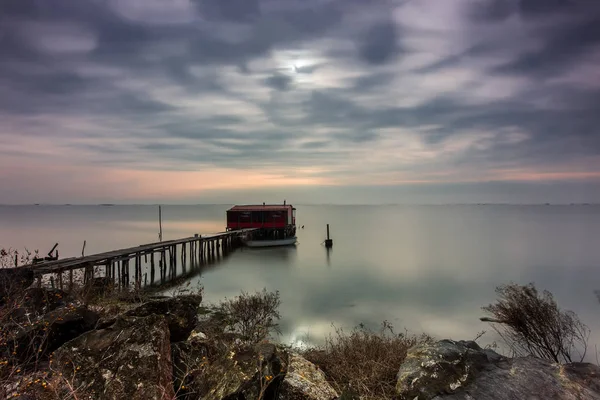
x,y
452,370
181,313
304,381
532,379
214,369
27,343
245,373
129,360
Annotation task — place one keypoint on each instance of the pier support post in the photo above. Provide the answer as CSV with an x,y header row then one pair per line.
x,y
183,253
152,268
174,267
137,272
125,267
163,266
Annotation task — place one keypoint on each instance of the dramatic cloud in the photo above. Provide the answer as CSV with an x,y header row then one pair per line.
x,y
179,100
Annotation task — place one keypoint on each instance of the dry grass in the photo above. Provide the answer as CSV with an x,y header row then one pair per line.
x,y
364,362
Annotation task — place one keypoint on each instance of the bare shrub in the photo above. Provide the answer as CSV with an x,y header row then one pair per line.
x,y
253,316
531,323
364,362
10,258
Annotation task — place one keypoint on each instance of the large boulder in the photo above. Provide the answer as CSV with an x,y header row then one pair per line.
x,y
463,371
217,370
181,313
29,342
249,373
131,359
532,378
304,381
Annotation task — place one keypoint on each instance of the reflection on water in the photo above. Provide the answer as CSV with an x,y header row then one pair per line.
x,y
424,268
284,254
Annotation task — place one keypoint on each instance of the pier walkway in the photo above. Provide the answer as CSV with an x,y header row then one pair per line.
x,y
115,265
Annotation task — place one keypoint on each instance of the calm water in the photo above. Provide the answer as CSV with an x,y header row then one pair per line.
x,y
423,268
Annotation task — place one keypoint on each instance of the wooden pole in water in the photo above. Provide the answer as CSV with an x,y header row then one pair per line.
x,y
159,224
328,241
83,249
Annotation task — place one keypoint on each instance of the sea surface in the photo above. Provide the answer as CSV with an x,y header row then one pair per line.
x,y
422,268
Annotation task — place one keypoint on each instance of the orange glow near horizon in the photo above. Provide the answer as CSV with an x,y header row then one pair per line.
x,y
36,179
185,182
523,175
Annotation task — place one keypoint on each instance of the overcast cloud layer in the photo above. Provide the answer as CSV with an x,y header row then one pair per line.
x,y
230,100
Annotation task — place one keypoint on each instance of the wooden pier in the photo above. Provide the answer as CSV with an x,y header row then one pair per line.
x,y
162,257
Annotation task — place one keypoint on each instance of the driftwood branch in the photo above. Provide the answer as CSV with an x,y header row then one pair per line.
x,y
493,320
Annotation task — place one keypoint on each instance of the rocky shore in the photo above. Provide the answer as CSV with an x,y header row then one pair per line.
x,y
56,347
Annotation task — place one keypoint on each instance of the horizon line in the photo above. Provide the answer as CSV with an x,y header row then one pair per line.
x,y
301,204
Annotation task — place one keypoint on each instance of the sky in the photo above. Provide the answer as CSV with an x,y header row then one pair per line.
x,y
315,101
